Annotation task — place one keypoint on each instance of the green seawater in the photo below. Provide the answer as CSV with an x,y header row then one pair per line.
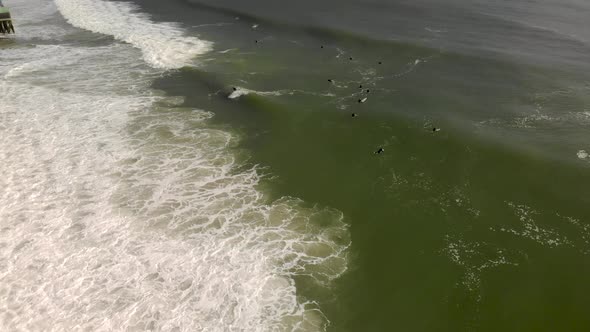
x,y
481,226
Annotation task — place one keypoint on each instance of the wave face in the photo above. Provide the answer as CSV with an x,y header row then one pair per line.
x,y
552,32
122,211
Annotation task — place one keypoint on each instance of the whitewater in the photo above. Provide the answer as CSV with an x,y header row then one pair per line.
x,y
120,210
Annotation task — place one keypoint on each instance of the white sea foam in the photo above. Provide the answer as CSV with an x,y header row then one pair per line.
x,y
228,50
476,258
238,92
164,45
530,229
122,213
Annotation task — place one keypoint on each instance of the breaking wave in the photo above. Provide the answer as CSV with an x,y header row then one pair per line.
x,y
123,211
164,45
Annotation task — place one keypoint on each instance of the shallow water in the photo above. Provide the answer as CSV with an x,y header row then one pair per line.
x,y
123,210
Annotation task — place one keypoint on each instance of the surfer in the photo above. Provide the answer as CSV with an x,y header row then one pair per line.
x,y
380,151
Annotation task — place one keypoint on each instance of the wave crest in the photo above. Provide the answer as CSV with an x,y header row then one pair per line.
x,y
163,45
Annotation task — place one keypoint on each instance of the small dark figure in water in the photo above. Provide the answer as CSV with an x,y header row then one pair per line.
x,y
380,151
256,41
235,89
434,130
368,90
350,58
360,86
330,80
380,62
354,115
322,46
362,100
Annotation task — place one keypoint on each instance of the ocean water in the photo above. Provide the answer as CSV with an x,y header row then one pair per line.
x,y
195,165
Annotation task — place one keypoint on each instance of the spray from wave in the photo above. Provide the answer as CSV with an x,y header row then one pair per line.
x,y
123,211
